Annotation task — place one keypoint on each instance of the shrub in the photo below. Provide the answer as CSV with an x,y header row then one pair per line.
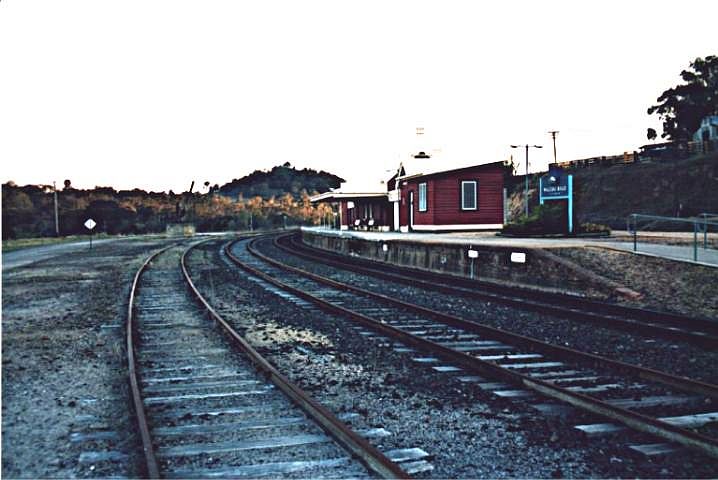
x,y
544,219
550,219
594,228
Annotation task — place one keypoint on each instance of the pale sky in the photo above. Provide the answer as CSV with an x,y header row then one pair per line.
x,y
154,94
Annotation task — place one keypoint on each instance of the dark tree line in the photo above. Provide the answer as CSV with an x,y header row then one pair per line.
x,y
280,180
682,107
28,211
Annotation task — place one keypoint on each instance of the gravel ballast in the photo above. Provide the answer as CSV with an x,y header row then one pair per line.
x,y
676,357
468,432
65,404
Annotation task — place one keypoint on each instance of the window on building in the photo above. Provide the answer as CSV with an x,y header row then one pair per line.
x,y
469,189
422,197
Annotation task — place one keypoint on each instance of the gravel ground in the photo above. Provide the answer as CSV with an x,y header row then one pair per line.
x,y
65,395
667,285
64,380
469,432
679,358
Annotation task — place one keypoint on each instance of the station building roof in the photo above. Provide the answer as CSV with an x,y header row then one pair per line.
x,y
425,168
435,172
352,190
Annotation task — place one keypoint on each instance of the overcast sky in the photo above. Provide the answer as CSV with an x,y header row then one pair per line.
x,y
154,94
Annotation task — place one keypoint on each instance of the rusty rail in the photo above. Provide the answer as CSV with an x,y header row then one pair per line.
x,y
631,419
699,331
147,447
357,446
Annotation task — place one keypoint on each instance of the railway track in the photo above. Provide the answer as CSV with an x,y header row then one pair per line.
x,y
208,405
680,411
699,331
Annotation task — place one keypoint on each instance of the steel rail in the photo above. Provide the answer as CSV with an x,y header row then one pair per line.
x,y
357,446
681,383
151,464
472,284
601,313
629,418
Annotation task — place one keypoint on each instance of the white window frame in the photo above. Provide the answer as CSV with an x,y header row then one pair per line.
x,y
476,195
423,200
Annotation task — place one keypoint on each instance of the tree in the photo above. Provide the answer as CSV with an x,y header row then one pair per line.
x,y
682,108
68,184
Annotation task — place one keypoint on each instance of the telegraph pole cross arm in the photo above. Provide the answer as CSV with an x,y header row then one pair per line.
x,y
553,136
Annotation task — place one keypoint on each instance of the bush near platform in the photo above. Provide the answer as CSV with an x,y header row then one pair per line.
x,y
550,219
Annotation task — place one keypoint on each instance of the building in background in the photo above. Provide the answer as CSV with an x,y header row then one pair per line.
x,y
708,131
468,198
359,207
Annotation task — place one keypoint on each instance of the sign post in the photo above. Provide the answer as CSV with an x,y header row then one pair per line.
x,y
90,224
473,255
556,185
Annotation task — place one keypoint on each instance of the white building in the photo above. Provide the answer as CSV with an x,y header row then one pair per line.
x,y
708,130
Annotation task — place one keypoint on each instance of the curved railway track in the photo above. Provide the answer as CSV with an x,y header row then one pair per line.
x,y
206,410
699,331
678,410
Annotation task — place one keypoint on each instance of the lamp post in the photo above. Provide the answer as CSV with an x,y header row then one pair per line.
x,y
526,180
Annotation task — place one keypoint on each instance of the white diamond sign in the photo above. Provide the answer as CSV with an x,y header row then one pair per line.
x,y
90,224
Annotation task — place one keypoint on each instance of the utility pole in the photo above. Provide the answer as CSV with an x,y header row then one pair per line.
x,y
526,179
553,136
57,219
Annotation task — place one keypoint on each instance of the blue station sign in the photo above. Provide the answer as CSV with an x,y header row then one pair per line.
x,y
557,185
553,186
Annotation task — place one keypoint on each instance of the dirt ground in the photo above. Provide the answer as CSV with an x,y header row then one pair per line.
x,y
64,380
665,285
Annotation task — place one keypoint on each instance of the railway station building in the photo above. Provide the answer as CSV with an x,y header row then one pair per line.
x,y
430,200
359,209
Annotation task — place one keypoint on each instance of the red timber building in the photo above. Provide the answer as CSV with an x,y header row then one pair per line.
x,y
469,198
359,210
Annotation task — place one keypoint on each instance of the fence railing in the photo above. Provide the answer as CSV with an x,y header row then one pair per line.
x,y
699,225
705,146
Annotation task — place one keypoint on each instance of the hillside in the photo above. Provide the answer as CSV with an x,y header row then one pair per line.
x,y
279,181
260,200
680,187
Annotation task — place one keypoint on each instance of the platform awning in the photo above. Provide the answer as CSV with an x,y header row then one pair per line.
x,y
336,196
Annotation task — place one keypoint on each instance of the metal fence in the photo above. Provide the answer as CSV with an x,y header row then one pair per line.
x,y
698,249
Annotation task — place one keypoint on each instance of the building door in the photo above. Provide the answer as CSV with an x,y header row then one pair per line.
x,y
411,210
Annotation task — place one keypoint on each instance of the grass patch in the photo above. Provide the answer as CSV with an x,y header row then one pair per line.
x,y
20,243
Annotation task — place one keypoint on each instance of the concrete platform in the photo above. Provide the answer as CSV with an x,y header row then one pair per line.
x,y
650,243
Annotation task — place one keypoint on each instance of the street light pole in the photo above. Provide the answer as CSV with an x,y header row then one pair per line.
x,y
526,179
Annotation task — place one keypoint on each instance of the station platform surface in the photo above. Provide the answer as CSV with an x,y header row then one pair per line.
x,y
670,245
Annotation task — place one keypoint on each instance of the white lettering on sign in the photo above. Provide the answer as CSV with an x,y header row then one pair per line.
x,y
518,257
90,224
473,254
555,189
